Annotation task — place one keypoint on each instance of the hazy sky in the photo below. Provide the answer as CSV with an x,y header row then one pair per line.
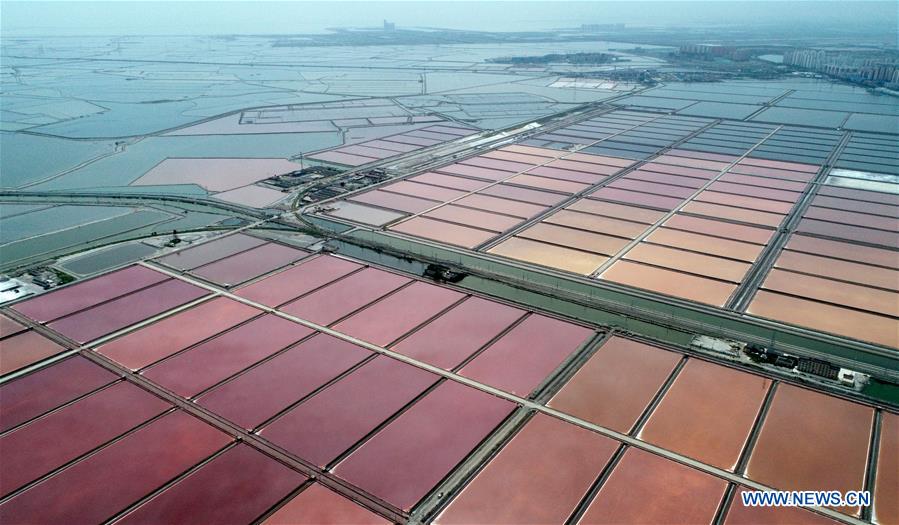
x,y
239,17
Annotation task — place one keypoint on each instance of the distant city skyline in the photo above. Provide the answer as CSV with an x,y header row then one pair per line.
x,y
77,18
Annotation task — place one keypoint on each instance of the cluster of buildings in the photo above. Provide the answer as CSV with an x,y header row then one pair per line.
x,y
717,50
592,28
854,66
